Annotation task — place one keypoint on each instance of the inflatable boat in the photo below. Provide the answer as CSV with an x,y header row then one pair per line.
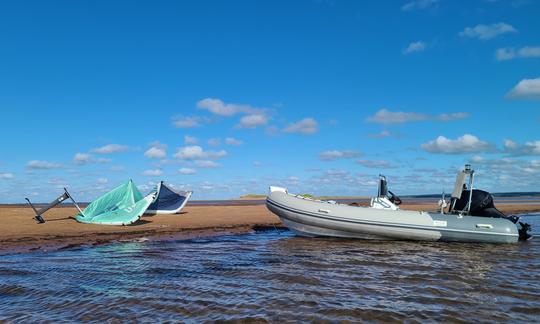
x,y
470,217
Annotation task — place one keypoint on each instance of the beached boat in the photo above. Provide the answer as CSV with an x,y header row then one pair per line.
x,y
470,217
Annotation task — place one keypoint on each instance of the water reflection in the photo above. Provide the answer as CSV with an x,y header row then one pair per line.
x,y
275,276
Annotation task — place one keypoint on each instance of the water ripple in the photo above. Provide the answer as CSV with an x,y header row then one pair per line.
x,y
274,276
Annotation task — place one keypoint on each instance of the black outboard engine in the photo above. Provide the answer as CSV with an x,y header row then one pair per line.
x,y
481,202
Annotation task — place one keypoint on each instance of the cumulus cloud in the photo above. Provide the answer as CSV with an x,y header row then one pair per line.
x,y
529,148
526,89
39,164
187,171
253,121
509,53
335,155
385,116
306,126
381,134
419,5
153,173
214,142
189,122
477,159
111,148
6,175
82,158
271,130
196,152
510,173
463,144
85,158
190,140
415,47
233,141
376,164
156,151
485,32
218,107
510,145
207,164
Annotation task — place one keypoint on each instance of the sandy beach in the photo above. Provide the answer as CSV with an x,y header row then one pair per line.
x,y
20,233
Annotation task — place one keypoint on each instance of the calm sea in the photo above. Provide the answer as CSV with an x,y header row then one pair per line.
x,y
275,276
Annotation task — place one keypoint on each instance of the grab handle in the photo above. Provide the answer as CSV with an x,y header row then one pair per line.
x,y
484,226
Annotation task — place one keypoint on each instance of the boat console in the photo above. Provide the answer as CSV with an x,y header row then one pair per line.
x,y
385,199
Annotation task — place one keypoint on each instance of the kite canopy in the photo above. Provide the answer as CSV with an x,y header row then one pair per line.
x,y
168,201
121,206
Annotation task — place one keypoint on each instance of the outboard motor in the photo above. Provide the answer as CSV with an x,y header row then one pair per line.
x,y
481,204
477,202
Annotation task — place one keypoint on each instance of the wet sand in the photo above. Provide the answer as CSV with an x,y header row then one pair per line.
x,y
20,233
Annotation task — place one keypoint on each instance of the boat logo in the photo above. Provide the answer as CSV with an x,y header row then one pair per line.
x,y
440,223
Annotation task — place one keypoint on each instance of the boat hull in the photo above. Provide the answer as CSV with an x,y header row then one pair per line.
x,y
316,218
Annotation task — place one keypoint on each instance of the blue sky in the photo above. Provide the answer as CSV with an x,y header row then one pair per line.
x,y
229,97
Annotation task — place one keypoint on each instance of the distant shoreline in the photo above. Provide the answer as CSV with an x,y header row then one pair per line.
x,y
21,234
260,200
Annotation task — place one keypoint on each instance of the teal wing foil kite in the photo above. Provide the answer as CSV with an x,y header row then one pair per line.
x,y
123,205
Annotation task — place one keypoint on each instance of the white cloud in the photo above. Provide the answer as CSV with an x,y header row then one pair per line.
x,y
214,142
385,116
85,158
306,126
6,175
271,130
486,32
218,107
38,164
463,144
207,164
529,51
196,152
82,158
111,148
253,121
335,155
233,141
102,180
510,145
189,122
117,168
153,173
419,4
415,47
381,134
509,53
156,151
526,89
529,148
376,164
503,54
477,159
187,171
190,140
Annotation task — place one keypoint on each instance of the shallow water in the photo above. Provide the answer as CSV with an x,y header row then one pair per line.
x,y
275,276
